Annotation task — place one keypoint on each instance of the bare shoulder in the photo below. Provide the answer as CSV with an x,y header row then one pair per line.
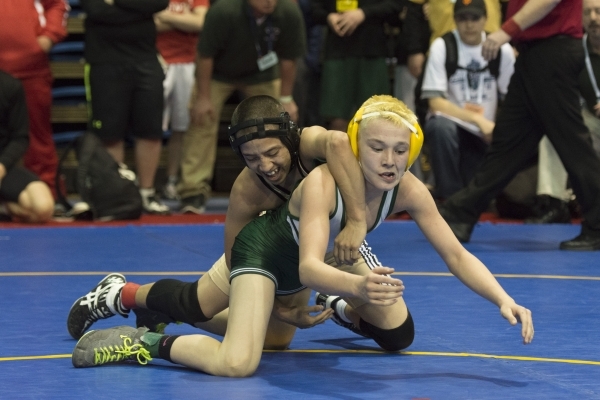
x,y
310,148
413,196
249,192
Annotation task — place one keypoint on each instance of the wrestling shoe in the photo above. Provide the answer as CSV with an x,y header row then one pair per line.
x,y
122,343
330,302
95,305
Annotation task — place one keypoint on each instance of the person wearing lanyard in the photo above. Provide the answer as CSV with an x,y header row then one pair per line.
x,y
547,34
246,45
553,195
462,107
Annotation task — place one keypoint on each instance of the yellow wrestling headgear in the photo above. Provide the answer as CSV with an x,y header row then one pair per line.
x,y
394,109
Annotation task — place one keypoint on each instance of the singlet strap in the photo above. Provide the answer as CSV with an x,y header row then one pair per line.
x,y
279,191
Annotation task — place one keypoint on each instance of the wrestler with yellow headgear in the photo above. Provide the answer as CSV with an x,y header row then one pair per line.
x,y
393,110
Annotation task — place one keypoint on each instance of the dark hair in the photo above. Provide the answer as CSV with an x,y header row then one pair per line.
x,y
259,117
262,106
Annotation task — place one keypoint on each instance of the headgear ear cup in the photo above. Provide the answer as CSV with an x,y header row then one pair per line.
x,y
353,130
416,144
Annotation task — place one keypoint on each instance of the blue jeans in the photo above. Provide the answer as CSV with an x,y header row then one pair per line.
x,y
455,155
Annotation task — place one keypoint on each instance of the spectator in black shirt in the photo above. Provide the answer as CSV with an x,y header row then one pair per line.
x,y
25,197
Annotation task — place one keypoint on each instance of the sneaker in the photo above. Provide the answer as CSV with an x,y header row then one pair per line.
x,y
93,306
169,191
194,204
152,205
330,301
584,242
122,343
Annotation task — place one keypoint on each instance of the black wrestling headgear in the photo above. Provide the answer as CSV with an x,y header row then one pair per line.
x,y
287,133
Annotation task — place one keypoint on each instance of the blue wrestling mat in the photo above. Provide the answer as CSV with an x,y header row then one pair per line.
x,y
463,349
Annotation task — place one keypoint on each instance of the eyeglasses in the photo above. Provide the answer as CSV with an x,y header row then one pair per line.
x,y
588,11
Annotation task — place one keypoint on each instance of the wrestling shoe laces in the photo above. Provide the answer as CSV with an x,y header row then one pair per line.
x,y
121,343
127,351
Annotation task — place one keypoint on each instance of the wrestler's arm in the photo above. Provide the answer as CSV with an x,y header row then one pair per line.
x,y
417,200
317,143
313,201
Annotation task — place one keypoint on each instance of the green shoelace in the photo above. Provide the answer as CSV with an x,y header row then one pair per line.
x,y
103,355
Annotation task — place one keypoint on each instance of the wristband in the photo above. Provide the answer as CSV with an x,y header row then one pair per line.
x,y
511,28
286,99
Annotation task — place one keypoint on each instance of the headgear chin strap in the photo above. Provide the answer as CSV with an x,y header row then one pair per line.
x,y
416,134
287,132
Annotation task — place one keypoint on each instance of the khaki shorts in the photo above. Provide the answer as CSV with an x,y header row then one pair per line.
x,y
219,274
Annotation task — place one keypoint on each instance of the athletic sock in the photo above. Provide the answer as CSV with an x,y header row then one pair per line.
x,y
159,345
339,305
128,295
147,192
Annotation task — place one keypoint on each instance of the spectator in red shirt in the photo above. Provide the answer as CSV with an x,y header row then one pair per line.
x,y
28,31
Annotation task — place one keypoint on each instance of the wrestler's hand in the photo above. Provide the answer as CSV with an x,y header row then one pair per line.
x,y
377,287
301,316
514,313
348,241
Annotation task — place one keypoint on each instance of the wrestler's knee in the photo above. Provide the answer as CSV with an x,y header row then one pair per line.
x,y
391,339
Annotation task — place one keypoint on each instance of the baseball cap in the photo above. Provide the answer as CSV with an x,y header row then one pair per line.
x,y
474,7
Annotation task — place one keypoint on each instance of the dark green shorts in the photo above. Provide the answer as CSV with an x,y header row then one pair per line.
x,y
266,247
346,83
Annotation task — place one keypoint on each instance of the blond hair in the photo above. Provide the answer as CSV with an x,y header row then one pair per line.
x,y
390,109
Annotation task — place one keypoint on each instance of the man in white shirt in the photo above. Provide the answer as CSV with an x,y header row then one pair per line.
x,y
463,102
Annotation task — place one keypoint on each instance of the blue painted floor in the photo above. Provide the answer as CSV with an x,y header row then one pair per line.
x,y
463,349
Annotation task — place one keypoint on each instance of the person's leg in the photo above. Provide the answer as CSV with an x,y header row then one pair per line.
x,y
179,121
472,153
237,356
200,152
110,91
557,107
116,148
27,198
146,123
593,124
176,301
552,176
35,203
41,157
174,143
444,145
552,195
390,326
404,89
404,86
515,140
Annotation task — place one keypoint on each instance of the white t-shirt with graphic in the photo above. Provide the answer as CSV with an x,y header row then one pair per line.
x,y
467,85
